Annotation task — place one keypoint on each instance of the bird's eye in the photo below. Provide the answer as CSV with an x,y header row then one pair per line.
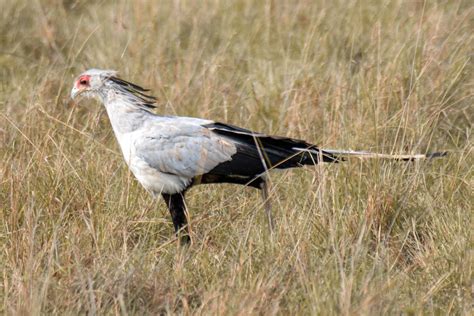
x,y
83,81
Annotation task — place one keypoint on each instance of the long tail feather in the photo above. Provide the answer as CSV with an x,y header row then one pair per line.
x,y
372,155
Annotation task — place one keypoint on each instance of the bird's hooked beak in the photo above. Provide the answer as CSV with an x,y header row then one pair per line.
x,y
74,92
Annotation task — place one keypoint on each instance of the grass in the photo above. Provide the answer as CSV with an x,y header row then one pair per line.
x,y
79,235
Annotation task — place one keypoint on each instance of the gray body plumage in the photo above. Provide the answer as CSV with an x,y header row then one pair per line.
x,y
165,153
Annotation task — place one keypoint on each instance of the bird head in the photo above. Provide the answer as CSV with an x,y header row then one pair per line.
x,y
91,82
99,83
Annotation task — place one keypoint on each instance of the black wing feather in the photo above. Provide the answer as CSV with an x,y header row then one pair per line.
x,y
277,152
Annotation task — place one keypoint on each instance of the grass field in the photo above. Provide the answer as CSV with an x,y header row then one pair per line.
x,y
79,235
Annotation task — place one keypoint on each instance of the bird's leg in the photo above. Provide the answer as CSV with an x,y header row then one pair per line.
x,y
177,208
266,201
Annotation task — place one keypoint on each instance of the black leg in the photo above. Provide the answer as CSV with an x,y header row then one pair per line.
x,y
267,204
175,203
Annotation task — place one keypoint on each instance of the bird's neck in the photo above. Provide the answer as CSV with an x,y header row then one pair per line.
x,y
124,116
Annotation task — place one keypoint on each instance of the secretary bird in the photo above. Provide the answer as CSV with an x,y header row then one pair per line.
x,y
170,154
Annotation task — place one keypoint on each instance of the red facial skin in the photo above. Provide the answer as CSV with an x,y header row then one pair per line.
x,y
83,81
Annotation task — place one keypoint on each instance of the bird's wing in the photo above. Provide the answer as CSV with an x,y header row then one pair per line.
x,y
275,151
182,148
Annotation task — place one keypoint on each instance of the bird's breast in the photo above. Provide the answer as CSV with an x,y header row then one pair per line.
x,y
152,179
126,145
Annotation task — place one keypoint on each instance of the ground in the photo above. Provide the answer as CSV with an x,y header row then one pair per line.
x,y
79,235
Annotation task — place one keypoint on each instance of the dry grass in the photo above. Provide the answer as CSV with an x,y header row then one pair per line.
x,y
79,235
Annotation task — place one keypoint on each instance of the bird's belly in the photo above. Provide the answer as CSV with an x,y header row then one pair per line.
x,y
155,181
151,179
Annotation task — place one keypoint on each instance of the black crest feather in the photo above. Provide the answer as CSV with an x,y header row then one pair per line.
x,y
146,100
